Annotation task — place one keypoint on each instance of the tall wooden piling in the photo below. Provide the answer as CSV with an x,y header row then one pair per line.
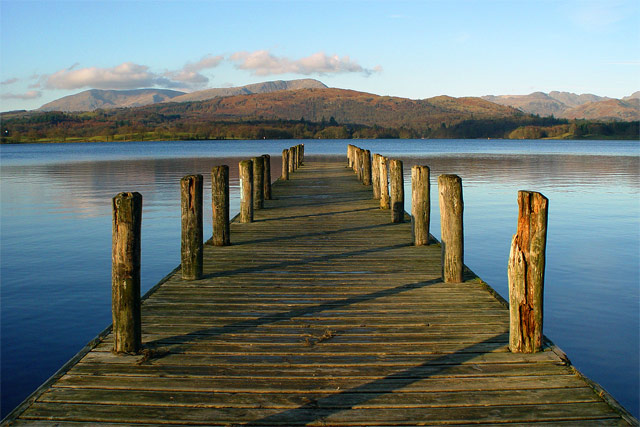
x,y
267,176
125,272
258,182
301,154
385,201
360,162
296,157
220,205
350,156
451,210
420,205
285,165
526,273
396,179
375,176
246,190
356,161
191,241
366,167
292,161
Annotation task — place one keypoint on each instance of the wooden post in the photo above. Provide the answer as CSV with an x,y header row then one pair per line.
x,y
349,155
420,205
451,208
191,242
258,183
397,191
285,165
360,162
292,165
294,154
246,191
526,273
385,201
220,205
366,167
301,154
356,161
267,176
125,272
375,176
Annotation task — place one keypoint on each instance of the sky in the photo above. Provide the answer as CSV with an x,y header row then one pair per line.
x,y
413,49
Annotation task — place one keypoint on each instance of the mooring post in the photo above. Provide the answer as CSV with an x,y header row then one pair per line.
x,y
375,176
191,241
267,176
258,183
285,165
220,205
295,157
246,190
125,272
356,161
420,205
526,273
451,209
349,155
360,157
397,190
366,167
385,201
292,161
301,154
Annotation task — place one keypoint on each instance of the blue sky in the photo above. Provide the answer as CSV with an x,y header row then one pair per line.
x,y
414,49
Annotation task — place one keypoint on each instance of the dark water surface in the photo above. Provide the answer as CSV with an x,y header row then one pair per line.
x,y
55,246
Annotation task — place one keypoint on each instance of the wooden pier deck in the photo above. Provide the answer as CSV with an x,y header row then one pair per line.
x,y
320,313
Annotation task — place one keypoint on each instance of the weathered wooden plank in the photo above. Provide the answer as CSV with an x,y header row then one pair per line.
x,y
294,400
390,384
311,414
280,362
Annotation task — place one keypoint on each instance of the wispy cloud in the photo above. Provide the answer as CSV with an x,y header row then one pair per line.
x,y
124,76
9,81
32,94
596,14
263,63
130,75
191,74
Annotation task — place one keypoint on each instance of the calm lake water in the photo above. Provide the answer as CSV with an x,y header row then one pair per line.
x,y
55,242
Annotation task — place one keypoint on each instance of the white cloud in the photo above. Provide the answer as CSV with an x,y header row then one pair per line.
x,y
124,76
32,94
190,73
263,63
9,81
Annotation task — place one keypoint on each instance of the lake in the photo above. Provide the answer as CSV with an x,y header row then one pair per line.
x,y
55,241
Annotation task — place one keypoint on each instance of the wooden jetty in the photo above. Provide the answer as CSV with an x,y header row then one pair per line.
x,y
320,312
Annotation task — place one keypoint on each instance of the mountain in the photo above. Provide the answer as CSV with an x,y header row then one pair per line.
x,y
94,99
266,87
570,105
535,103
345,106
610,109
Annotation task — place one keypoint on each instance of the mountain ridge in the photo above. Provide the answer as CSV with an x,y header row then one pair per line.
x,y
568,105
94,99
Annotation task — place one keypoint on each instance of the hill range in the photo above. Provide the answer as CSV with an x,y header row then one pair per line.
x,y
557,104
308,109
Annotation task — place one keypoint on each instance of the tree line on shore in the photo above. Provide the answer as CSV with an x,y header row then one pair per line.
x,y
105,125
